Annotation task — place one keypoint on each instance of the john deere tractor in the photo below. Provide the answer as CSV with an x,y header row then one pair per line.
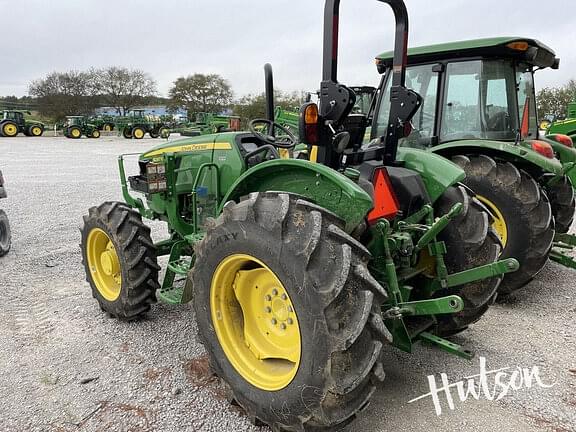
x,y
13,122
5,235
102,122
299,272
209,123
479,110
566,126
137,124
76,126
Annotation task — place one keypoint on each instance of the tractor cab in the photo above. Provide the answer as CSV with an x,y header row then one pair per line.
x,y
74,121
472,90
15,116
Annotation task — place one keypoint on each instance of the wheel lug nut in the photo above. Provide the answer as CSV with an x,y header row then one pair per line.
x,y
290,321
268,298
284,297
283,326
268,309
274,292
290,309
274,321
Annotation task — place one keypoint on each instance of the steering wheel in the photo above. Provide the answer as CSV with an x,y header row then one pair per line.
x,y
286,140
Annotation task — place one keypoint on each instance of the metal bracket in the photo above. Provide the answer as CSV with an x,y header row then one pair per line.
x,y
446,345
564,243
442,305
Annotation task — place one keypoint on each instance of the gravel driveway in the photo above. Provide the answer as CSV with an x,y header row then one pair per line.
x,y
65,366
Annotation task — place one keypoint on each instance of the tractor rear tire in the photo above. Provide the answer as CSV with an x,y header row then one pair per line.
x,y
470,242
74,132
9,129
5,234
127,133
108,127
138,133
335,303
521,210
120,260
563,204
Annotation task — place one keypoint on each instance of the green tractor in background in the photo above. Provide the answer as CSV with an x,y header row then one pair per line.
x,y
299,272
566,126
13,122
209,123
137,124
76,126
5,233
479,110
103,122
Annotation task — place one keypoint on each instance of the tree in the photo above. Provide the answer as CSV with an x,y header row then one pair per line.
x,y
123,88
555,100
65,93
201,93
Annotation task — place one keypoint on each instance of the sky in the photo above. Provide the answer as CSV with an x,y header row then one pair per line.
x,y
173,38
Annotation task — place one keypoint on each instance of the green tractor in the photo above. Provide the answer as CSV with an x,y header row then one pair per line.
x,y
13,122
479,110
76,126
103,122
5,234
137,124
299,272
566,126
209,123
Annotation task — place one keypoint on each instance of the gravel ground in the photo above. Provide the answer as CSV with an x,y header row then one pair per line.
x,y
65,366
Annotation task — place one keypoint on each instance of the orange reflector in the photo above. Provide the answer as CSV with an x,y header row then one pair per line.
x,y
543,148
311,114
518,46
563,139
385,202
525,124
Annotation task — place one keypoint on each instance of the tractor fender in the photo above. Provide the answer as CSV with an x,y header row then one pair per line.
x,y
437,172
519,155
321,185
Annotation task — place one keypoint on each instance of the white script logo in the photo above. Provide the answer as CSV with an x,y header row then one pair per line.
x,y
491,385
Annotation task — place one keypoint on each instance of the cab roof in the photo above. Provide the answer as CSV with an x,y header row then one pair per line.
x,y
526,49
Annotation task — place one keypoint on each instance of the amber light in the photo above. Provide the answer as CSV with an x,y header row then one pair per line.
x,y
563,139
311,114
385,201
518,46
311,124
543,148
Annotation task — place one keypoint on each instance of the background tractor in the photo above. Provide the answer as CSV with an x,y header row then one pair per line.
x,y
566,126
102,122
14,122
209,123
301,272
5,234
137,124
479,110
76,126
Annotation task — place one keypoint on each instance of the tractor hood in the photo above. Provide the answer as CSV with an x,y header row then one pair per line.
x,y
529,50
192,144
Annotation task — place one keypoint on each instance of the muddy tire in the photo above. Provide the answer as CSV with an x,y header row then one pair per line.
x,y
334,299
561,197
5,234
124,282
470,242
521,210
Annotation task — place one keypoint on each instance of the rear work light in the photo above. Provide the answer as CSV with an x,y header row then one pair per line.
x,y
543,148
563,139
385,201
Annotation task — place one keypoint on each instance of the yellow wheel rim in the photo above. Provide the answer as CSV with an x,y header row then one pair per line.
x,y
104,264
499,223
107,128
138,133
95,134
10,130
255,322
75,133
36,131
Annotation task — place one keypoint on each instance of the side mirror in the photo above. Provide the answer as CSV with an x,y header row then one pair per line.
x,y
308,124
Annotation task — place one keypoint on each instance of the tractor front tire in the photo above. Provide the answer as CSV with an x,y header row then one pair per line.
x,y
138,133
470,242
74,132
5,234
120,260
561,197
35,130
521,211
154,133
95,134
289,313
127,133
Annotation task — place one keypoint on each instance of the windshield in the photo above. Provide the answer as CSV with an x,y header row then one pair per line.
x,y
423,81
480,101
